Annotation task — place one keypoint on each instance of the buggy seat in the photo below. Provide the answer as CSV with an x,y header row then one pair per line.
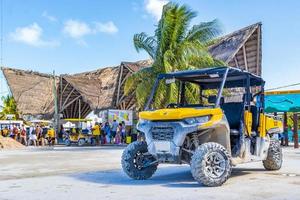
x,y
233,112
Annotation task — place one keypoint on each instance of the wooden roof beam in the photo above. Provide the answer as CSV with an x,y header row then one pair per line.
x,y
258,70
236,62
73,100
66,100
245,57
119,83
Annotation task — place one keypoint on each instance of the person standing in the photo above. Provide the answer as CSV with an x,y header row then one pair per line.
x,y
102,134
107,132
51,136
114,128
15,132
5,132
96,133
32,136
118,134
39,135
123,132
23,135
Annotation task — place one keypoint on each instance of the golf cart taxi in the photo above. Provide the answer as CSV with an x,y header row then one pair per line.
x,y
77,132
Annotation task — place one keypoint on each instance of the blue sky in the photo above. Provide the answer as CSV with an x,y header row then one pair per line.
x,y
71,36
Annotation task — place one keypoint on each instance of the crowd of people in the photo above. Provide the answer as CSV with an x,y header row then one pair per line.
x,y
114,133
32,135
39,135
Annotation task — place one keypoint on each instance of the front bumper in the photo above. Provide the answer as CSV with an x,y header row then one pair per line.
x,y
164,139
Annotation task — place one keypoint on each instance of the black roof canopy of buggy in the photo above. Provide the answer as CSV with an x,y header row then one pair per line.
x,y
211,78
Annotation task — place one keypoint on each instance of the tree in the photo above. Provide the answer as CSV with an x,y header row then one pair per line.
x,y
173,47
9,107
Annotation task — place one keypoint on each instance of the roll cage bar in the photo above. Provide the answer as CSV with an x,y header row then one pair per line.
x,y
213,78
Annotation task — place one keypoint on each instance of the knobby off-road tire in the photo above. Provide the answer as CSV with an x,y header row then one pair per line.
x,y
274,157
211,164
130,157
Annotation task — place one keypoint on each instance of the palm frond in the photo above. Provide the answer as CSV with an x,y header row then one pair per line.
x,y
205,31
145,74
160,95
142,92
143,42
182,18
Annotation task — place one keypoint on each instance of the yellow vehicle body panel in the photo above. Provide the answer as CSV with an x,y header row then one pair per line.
x,y
178,113
74,137
248,122
267,123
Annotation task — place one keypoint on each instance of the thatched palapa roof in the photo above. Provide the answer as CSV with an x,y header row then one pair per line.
x,y
32,91
92,90
241,49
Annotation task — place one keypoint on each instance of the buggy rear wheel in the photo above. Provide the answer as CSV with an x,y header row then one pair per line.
x,y
274,157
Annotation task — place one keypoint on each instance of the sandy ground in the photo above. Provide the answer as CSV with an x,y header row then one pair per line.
x,y
95,173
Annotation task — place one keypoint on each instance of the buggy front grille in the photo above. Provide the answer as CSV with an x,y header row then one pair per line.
x,y
162,133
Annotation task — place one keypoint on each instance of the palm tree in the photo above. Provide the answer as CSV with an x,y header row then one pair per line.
x,y
173,47
9,107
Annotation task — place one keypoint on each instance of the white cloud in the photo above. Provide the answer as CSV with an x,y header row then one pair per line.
x,y
154,7
49,17
107,27
31,35
76,29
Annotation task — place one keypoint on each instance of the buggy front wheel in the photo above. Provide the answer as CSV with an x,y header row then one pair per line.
x,y
137,163
211,164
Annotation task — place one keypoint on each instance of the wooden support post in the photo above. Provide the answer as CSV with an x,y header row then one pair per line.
x,y
56,116
285,130
295,130
61,95
79,109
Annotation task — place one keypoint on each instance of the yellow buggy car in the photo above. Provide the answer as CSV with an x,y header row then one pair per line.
x,y
212,135
79,134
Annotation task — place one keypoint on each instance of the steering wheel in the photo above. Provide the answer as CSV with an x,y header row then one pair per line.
x,y
172,105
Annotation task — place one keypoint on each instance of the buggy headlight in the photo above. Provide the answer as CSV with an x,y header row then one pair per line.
x,y
142,123
196,120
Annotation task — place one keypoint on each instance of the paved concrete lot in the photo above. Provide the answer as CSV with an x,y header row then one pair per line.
x,y
95,173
